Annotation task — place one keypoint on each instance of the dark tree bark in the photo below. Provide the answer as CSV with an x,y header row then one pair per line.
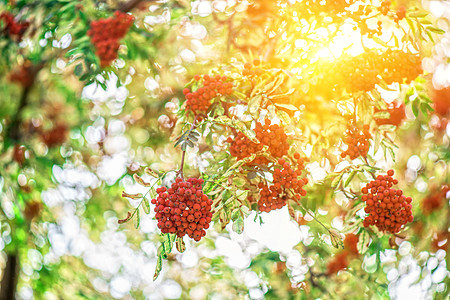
x,y
9,280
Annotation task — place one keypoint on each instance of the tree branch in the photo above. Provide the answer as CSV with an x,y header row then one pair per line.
x,y
129,5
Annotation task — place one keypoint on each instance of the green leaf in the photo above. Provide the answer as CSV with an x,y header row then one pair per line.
x,y
146,206
181,246
435,30
382,115
78,70
415,107
150,172
254,104
336,239
363,242
337,180
128,218
286,106
140,181
238,225
132,196
163,251
138,218
350,177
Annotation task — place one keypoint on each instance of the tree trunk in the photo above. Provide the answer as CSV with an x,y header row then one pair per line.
x,y
9,280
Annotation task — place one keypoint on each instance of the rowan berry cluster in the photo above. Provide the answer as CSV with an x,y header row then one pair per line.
x,y
251,69
209,88
12,28
183,208
396,110
106,33
357,141
269,135
384,8
388,208
399,66
362,72
285,177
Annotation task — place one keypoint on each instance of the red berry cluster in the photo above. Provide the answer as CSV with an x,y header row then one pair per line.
x,y
396,110
388,208
183,208
269,135
210,87
106,33
284,177
357,141
13,28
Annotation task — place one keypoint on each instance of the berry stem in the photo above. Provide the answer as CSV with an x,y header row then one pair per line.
x,y
307,211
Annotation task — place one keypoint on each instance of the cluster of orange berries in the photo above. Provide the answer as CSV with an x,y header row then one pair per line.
x,y
271,135
106,33
436,200
12,28
210,87
251,69
340,260
183,208
399,66
384,8
363,72
388,208
284,177
357,141
396,110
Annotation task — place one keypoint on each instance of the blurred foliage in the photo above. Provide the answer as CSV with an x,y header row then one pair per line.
x,y
74,135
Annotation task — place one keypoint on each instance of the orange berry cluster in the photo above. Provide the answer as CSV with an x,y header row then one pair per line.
x,y
357,141
250,70
106,33
269,135
284,177
183,208
362,72
210,87
435,201
340,260
384,8
396,110
13,28
388,208
399,66
400,14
